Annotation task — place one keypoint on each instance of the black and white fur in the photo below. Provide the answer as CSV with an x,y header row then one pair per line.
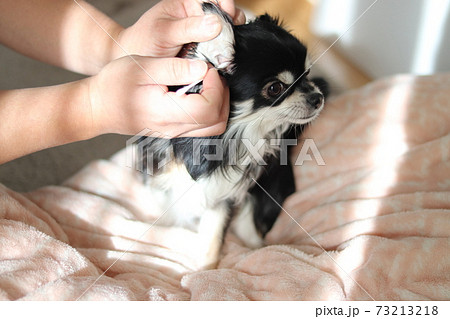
x,y
271,98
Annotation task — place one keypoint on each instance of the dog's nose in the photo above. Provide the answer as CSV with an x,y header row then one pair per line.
x,y
315,100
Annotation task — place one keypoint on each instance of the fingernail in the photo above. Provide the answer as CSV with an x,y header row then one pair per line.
x,y
197,68
210,24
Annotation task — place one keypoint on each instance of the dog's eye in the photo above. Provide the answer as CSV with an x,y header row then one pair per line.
x,y
275,89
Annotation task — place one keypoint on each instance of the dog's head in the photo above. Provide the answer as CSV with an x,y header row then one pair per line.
x,y
270,81
270,91
265,69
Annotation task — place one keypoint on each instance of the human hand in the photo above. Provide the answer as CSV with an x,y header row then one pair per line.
x,y
125,99
166,27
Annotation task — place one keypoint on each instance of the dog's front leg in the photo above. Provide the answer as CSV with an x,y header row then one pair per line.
x,y
211,233
244,227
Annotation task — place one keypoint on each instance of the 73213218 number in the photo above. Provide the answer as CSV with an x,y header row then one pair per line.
x,y
407,310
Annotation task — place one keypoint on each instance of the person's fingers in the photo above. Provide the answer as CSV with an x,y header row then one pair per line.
x,y
200,110
169,71
202,114
228,7
239,17
190,29
218,127
214,129
206,108
200,130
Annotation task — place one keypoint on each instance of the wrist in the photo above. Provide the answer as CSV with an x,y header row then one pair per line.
x,y
78,119
98,47
98,111
39,118
113,48
117,46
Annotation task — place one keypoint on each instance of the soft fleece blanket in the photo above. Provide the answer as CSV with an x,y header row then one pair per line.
x,y
373,223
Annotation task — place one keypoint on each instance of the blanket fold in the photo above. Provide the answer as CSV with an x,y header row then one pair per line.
x,y
373,223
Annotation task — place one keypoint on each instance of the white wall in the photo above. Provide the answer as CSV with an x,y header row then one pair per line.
x,y
394,36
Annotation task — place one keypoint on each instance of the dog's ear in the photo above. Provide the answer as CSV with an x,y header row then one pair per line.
x,y
210,7
268,18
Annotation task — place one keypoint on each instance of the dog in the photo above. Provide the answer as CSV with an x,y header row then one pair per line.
x,y
208,184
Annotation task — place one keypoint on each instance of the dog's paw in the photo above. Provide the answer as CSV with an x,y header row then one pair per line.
x,y
252,240
244,227
207,261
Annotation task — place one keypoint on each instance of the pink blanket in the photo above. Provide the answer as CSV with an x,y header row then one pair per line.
x,y
374,222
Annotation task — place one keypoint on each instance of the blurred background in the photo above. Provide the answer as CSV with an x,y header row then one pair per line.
x,y
393,36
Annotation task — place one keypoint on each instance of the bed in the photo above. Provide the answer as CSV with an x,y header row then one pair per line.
x,y
373,223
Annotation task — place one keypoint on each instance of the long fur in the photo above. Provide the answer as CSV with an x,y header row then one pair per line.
x,y
254,59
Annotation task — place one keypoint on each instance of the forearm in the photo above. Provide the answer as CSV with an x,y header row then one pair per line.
x,y
58,32
38,118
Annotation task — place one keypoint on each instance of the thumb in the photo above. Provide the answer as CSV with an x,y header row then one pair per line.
x,y
193,29
174,71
